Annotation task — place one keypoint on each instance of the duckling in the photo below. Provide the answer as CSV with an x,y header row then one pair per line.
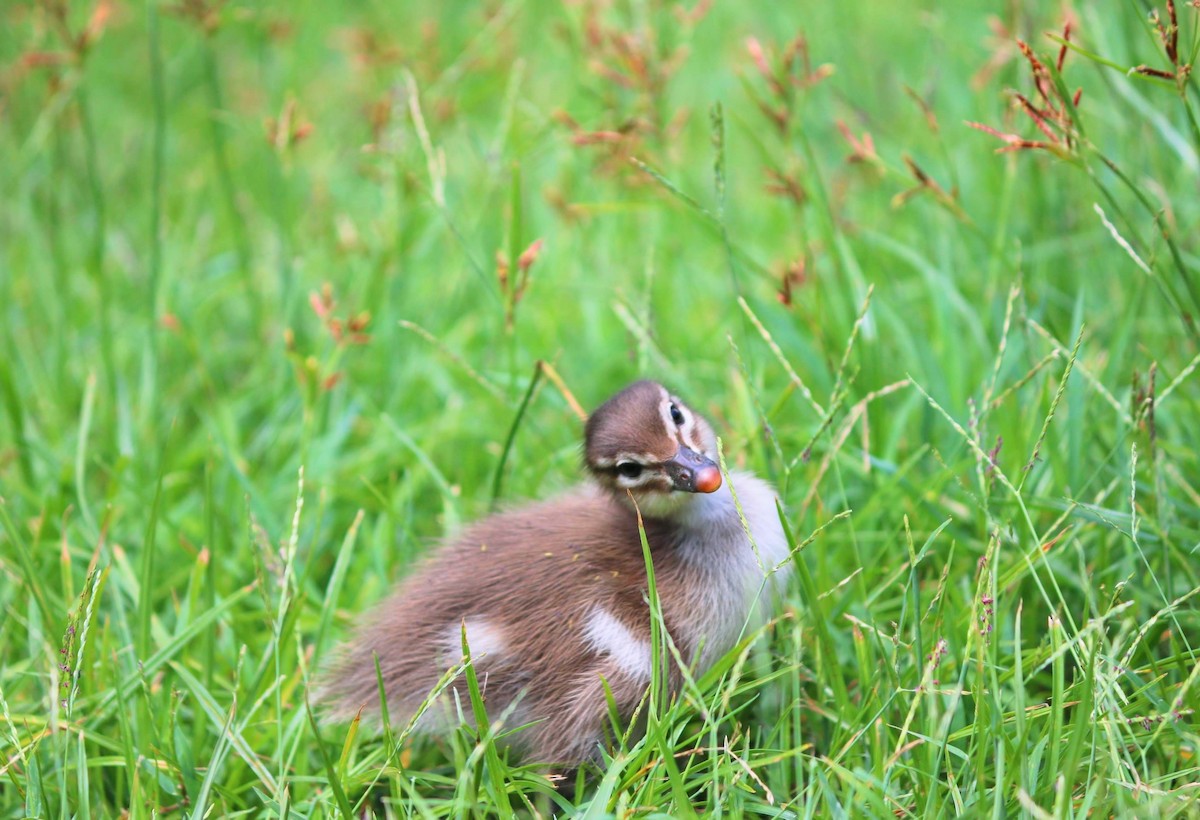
x,y
553,595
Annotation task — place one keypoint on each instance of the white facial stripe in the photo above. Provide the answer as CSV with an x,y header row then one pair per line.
x,y
684,433
621,458
646,477
664,411
688,428
637,458
605,633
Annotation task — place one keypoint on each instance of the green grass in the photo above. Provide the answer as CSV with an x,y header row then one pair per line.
x,y
978,399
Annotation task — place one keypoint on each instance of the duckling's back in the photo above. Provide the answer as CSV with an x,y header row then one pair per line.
x,y
552,600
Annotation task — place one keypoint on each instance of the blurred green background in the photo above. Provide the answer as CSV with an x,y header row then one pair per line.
x,y
242,239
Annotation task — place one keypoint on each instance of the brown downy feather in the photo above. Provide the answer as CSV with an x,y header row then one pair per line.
x,y
553,594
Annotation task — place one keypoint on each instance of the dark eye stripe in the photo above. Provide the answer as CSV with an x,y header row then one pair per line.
x,y
629,469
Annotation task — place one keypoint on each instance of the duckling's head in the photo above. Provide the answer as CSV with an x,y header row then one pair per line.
x,y
647,442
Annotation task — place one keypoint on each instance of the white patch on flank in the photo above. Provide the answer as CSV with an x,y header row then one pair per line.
x,y
604,633
482,638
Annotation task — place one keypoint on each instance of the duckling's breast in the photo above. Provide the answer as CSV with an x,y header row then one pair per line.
x,y
728,579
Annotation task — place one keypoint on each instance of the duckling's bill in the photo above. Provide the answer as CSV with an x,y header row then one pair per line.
x,y
693,472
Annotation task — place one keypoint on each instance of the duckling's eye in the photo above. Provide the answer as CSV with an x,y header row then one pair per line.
x,y
676,415
629,469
